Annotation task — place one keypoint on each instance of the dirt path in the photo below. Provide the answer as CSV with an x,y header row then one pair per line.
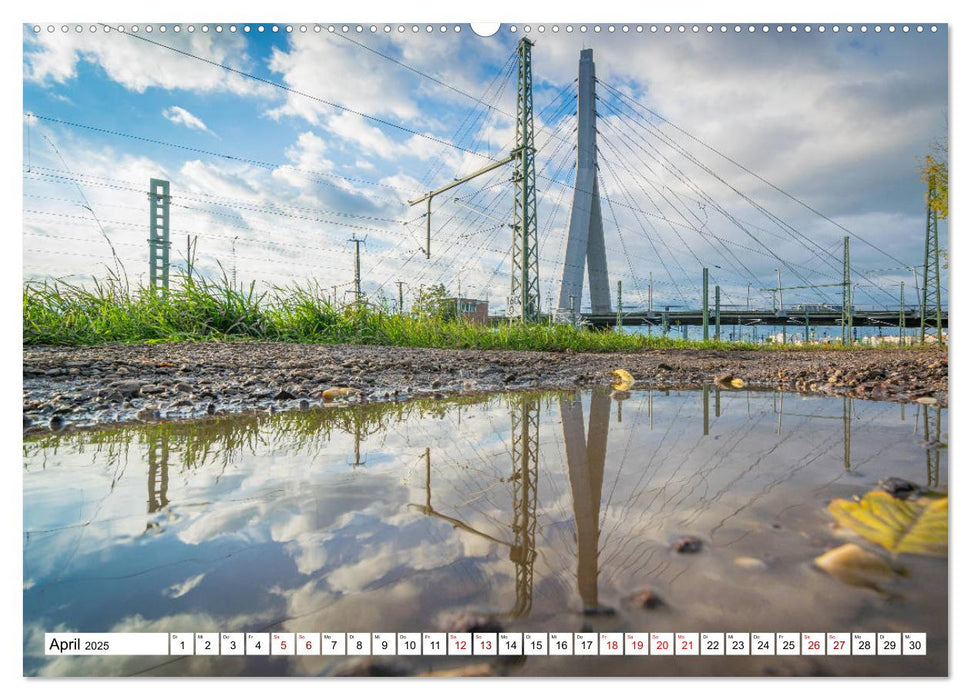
x,y
120,383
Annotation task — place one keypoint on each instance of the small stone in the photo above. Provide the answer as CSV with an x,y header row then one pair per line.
x,y
900,488
304,404
750,564
211,408
470,671
56,423
283,395
647,599
436,383
509,378
147,413
598,611
181,403
687,545
128,389
183,388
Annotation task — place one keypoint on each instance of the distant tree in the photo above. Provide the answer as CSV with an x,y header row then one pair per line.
x,y
434,303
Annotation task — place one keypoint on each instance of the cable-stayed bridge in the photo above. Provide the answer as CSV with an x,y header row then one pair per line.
x,y
595,184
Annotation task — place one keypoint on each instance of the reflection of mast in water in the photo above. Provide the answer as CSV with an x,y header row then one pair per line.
x,y
704,411
585,458
158,472
524,440
525,461
847,430
932,440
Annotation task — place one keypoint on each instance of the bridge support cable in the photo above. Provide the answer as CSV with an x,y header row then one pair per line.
x,y
650,239
731,259
807,241
778,189
737,263
766,250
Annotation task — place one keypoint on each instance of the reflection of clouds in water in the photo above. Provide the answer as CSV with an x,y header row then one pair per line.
x,y
178,590
363,559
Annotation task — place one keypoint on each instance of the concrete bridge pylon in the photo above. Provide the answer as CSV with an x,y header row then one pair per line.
x,y
585,239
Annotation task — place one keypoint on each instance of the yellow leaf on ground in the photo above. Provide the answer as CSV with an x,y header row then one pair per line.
x,y
624,380
855,566
738,383
336,392
899,526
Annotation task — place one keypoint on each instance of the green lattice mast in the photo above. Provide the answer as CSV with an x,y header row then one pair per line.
x,y
524,287
932,267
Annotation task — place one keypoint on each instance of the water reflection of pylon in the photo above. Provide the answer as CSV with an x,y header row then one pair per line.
x,y
524,410
524,439
932,440
847,430
585,456
158,472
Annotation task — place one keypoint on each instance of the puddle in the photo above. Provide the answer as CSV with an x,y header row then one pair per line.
x,y
530,508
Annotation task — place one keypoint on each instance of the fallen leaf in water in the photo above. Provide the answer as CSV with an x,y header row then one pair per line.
x,y
914,527
336,392
855,566
624,380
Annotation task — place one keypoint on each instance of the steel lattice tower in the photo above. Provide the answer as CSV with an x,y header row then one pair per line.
x,y
524,287
847,311
524,436
158,236
932,267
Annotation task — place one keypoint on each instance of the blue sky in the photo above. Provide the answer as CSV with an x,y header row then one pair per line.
x,y
838,120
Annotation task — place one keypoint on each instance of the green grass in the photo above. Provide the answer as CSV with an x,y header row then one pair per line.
x,y
65,314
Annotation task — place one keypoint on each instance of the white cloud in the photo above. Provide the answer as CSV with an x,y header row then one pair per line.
x,y
179,115
53,58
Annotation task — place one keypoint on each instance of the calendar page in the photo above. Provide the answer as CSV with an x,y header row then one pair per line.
x,y
532,349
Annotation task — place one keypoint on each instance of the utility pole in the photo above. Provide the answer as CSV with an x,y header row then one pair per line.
x,y
901,332
704,303
718,313
401,298
357,266
932,268
191,244
158,234
650,294
620,306
235,238
847,317
778,281
524,286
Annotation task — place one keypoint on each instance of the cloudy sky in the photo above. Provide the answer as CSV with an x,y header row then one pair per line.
x,y
283,145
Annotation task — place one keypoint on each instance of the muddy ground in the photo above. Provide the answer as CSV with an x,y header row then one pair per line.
x,y
83,386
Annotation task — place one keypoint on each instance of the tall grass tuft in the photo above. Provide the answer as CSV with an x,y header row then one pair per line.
x,y
58,313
